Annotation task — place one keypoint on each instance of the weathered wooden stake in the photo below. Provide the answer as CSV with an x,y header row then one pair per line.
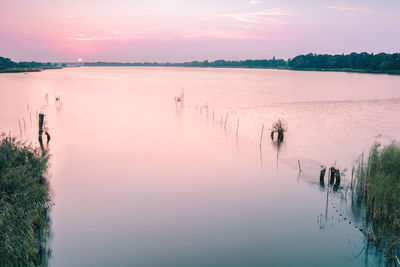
x,y
280,135
337,174
41,120
322,176
262,131
226,119
298,161
332,171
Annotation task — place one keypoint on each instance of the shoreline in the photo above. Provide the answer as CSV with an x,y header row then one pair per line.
x,y
394,72
259,68
22,70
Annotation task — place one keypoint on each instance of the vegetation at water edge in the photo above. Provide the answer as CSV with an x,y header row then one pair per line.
x,y
24,205
376,191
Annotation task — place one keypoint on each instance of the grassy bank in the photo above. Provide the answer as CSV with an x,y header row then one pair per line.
x,y
376,193
24,205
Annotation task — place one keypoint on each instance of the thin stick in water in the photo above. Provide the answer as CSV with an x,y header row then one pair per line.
x,y
20,129
226,119
237,127
262,131
298,161
207,112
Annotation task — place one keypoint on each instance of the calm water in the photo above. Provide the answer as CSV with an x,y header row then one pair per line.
x,y
140,181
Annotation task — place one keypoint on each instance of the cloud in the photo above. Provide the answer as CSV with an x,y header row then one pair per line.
x,y
349,10
269,16
255,2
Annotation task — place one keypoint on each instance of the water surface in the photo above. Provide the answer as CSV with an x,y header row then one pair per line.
x,y
140,181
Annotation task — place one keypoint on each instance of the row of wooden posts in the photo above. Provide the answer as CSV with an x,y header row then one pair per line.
x,y
333,176
280,132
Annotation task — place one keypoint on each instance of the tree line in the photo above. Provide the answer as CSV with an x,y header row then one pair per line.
x,y
357,62
381,62
6,63
263,63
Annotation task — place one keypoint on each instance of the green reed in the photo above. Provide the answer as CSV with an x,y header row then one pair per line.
x,y
24,205
376,194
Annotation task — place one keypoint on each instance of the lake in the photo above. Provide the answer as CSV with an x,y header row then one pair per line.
x,y
141,180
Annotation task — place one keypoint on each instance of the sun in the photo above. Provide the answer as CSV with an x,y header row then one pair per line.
x,y
80,59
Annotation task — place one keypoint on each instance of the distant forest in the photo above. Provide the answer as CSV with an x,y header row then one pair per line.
x,y
7,65
354,62
263,63
364,62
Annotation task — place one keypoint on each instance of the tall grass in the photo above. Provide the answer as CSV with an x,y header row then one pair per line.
x,y
24,205
376,193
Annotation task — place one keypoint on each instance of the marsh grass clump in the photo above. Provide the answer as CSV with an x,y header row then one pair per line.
x,y
280,127
24,205
376,192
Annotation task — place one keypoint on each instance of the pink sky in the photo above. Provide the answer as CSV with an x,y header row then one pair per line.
x,y
177,30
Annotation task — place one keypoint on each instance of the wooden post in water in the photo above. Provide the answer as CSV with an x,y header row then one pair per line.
x,y
226,119
322,176
41,121
298,161
332,172
280,135
337,174
262,131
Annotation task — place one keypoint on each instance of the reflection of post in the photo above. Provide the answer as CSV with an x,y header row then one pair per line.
x,y
326,207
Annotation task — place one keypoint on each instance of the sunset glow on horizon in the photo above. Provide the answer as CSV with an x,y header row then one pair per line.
x,y
176,30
